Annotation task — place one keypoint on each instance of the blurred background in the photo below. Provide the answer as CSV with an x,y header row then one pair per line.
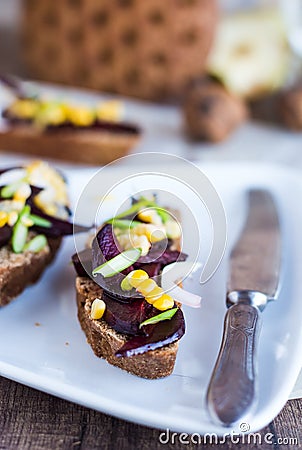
x,y
225,63
123,40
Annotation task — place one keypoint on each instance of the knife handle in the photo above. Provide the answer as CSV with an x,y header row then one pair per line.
x,y
232,390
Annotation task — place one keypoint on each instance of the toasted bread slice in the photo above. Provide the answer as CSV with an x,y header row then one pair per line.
x,y
17,271
87,146
105,341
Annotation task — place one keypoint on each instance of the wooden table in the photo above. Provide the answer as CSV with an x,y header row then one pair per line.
x,y
32,420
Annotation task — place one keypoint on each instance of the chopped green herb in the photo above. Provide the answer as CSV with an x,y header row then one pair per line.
x,y
123,224
40,221
36,244
118,263
20,231
163,214
134,209
166,315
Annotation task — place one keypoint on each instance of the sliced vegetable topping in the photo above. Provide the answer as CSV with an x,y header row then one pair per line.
x,y
52,112
97,309
167,315
135,208
164,302
36,244
20,231
24,205
40,221
146,287
9,190
133,279
118,263
185,297
123,224
158,335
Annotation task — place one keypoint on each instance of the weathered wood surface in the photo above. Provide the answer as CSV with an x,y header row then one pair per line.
x,y
32,420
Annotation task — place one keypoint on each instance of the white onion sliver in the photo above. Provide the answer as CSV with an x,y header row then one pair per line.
x,y
185,297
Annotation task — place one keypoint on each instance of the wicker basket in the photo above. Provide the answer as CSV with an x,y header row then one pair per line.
x,y
144,48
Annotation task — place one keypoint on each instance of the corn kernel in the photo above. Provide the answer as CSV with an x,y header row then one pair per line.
x,y
81,116
164,302
51,210
150,215
24,108
154,233
3,218
154,295
136,277
141,242
23,192
146,286
173,229
97,309
110,110
50,114
12,218
133,279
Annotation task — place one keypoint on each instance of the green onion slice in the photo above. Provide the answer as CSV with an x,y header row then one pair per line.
x,y
166,315
163,214
134,209
36,244
123,224
20,231
118,263
40,221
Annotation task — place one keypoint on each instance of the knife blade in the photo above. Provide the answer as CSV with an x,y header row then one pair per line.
x,y
254,280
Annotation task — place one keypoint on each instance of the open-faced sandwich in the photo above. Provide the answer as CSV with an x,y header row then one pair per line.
x,y
34,212
125,313
93,135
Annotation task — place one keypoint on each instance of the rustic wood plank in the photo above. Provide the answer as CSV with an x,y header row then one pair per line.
x,y
32,420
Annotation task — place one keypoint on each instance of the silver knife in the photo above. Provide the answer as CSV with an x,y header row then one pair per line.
x,y
254,280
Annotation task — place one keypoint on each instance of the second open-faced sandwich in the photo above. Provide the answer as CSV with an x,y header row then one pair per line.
x,y
59,129
34,216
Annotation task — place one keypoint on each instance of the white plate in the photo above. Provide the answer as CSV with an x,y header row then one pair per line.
x,y
54,357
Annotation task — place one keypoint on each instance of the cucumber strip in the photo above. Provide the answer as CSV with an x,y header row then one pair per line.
x,y
166,315
118,263
36,244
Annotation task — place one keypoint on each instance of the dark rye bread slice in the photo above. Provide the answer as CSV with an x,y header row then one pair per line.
x,y
17,271
105,341
87,146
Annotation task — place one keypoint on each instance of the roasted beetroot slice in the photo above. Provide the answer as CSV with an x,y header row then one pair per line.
x,y
156,255
5,235
104,248
126,317
159,335
59,227
106,243
82,262
152,269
